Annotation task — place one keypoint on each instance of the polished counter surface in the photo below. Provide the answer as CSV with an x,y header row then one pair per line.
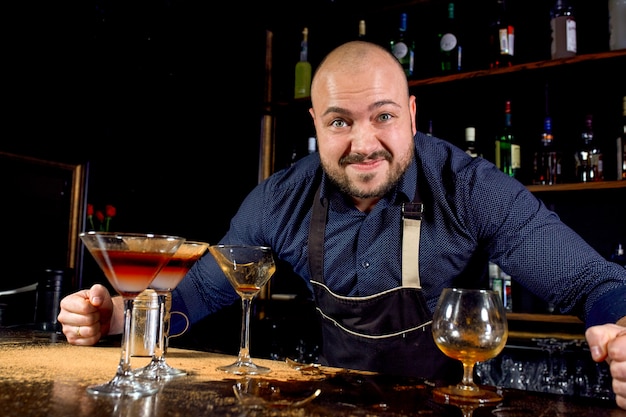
x,y
42,375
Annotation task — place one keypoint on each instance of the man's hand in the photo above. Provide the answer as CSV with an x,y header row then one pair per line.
x,y
87,315
608,343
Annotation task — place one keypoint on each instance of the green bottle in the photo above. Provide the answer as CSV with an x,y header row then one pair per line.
x,y
508,151
302,87
450,50
403,48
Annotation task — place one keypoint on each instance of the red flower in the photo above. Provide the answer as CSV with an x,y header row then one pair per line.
x,y
90,216
103,217
109,210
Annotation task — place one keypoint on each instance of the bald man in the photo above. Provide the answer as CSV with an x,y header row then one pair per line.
x,y
379,222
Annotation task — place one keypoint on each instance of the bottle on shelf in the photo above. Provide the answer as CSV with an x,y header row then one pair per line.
x,y
294,156
450,49
470,141
563,29
501,38
621,145
618,256
362,31
429,132
403,48
312,145
500,282
297,152
547,159
508,151
617,24
495,281
588,157
302,87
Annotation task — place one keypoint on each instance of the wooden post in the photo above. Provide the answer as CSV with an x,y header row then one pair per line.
x,y
266,148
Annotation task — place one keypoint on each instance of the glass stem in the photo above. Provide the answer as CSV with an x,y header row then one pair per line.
x,y
124,365
468,377
244,348
160,348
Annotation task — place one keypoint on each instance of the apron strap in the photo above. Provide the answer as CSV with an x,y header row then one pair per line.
x,y
317,230
411,225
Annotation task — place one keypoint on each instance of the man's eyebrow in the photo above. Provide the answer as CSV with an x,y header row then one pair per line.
x,y
334,109
375,105
383,103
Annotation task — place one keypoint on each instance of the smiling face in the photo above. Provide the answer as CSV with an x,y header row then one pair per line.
x,y
364,120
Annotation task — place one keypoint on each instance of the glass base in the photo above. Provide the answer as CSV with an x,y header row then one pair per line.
x,y
124,386
244,368
459,394
158,370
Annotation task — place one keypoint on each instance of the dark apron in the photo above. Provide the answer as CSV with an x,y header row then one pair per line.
x,y
389,332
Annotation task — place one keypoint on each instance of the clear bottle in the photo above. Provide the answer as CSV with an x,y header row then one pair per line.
x,y
547,159
403,48
508,151
450,49
302,87
501,38
470,141
312,145
588,157
563,29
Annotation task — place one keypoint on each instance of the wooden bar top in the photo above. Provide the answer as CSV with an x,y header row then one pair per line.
x,y
42,375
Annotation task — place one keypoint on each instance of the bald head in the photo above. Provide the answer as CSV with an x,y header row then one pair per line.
x,y
358,58
364,120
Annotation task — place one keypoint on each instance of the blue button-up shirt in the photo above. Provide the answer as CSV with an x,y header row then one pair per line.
x,y
472,213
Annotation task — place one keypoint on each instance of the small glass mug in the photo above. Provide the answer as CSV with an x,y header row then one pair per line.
x,y
144,327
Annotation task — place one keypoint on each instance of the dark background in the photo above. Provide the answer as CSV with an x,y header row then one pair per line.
x,y
164,99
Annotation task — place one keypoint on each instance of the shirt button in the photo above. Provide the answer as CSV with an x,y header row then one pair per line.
x,y
365,264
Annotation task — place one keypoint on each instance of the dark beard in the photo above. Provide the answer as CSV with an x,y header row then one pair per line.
x,y
345,186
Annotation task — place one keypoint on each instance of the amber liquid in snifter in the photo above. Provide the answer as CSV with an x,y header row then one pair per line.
x,y
469,325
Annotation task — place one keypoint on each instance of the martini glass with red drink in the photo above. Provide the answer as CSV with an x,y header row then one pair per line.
x,y
166,280
130,261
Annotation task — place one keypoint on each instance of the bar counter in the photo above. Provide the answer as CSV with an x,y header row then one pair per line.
x,y
42,375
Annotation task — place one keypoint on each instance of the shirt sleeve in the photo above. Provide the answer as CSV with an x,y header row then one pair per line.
x,y
543,254
609,308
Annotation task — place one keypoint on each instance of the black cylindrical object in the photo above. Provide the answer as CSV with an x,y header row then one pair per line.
x,y
51,288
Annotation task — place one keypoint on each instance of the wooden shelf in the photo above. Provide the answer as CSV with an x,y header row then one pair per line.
x,y
544,318
600,185
529,326
516,335
519,68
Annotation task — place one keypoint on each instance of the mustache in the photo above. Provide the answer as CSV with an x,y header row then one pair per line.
x,y
356,158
